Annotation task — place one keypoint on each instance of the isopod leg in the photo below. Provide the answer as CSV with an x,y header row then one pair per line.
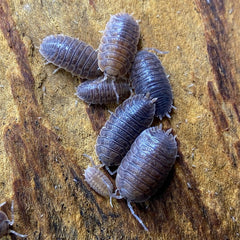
x,y
110,112
12,212
168,115
12,221
135,215
110,191
111,201
132,93
56,70
101,79
2,204
168,131
91,160
47,62
109,171
18,234
115,91
156,50
115,195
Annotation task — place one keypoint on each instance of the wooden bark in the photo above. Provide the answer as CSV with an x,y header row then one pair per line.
x,y
45,129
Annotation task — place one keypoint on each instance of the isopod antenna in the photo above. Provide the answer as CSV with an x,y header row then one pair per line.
x,y
136,216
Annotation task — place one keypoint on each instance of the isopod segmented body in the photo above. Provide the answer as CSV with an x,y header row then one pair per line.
x,y
71,54
103,92
130,118
146,166
98,181
118,45
147,75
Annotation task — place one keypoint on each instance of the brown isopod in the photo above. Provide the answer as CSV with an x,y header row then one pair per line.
x,y
129,119
71,54
5,223
118,45
103,92
146,166
97,180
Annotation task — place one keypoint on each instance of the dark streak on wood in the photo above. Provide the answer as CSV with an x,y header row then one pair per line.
x,y
12,36
88,192
235,106
237,147
220,120
36,154
217,37
218,116
216,32
97,116
202,218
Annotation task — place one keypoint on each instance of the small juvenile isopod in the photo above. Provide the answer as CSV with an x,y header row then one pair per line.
x,y
130,118
118,45
71,54
103,92
5,223
97,180
146,166
147,75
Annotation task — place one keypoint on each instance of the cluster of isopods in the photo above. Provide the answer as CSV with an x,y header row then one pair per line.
x,y
144,155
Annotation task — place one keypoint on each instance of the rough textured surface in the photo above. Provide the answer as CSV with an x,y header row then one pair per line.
x,y
44,132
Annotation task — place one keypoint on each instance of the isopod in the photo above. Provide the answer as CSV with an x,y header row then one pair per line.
x,y
118,45
130,118
146,166
103,92
97,180
147,75
71,54
5,223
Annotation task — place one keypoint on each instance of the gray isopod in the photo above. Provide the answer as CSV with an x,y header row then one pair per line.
x,y
147,75
118,45
103,92
97,180
116,137
71,54
5,223
145,167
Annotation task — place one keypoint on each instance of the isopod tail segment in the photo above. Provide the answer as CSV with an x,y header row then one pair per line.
x,y
10,223
115,195
167,114
100,174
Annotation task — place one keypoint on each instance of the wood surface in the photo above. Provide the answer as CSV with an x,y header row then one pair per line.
x,y
45,129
